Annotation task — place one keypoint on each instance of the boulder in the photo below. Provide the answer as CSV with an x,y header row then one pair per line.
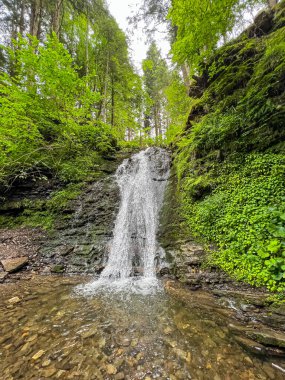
x,y
15,264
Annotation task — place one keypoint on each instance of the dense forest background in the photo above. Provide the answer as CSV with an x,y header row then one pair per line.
x,y
70,97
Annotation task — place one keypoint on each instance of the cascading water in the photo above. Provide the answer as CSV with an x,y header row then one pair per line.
x,y
131,262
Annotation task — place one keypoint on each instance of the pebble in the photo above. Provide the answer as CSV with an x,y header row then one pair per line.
x,y
167,330
111,370
89,333
125,342
38,355
32,338
102,342
14,300
60,373
49,372
247,360
120,376
46,363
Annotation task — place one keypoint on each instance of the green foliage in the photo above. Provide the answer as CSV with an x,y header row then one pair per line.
x,y
201,24
244,215
177,107
231,164
46,118
156,79
60,199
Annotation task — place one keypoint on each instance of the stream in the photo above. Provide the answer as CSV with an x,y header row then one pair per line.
x,y
52,332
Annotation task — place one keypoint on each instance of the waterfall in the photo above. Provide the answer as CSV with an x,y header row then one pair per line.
x,y
131,260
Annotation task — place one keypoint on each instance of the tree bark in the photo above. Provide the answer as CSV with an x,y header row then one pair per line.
x,y
104,105
56,18
36,18
112,102
22,17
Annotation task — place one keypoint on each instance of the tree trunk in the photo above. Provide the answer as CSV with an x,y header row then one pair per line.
x,y
156,121
35,18
56,19
113,102
87,45
22,17
104,105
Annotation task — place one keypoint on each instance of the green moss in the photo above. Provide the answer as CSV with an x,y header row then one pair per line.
x,y
61,199
40,213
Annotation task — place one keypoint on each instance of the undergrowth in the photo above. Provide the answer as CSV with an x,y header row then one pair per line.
x,y
231,161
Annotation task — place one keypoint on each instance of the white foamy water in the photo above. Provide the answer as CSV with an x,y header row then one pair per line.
x,y
131,261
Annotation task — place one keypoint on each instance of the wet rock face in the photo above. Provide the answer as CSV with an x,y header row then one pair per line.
x,y
80,244
80,239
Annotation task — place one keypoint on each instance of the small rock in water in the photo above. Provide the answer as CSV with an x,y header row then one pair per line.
x,y
32,338
102,342
167,330
111,370
134,342
60,374
120,376
49,372
46,363
89,333
38,355
14,300
125,342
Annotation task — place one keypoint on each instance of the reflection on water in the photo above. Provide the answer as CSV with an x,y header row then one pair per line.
x,y
55,333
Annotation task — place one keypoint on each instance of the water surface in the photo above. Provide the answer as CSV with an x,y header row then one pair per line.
x,y
55,333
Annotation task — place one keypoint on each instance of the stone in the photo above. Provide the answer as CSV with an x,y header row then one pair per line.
x,y
167,330
14,300
125,342
32,338
38,355
263,335
250,345
102,342
60,374
3,275
268,337
66,250
46,363
111,370
120,376
89,333
15,264
49,372
58,268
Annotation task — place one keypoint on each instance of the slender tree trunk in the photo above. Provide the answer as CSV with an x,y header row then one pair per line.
x,y
87,45
113,102
156,121
56,19
22,17
104,105
35,18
